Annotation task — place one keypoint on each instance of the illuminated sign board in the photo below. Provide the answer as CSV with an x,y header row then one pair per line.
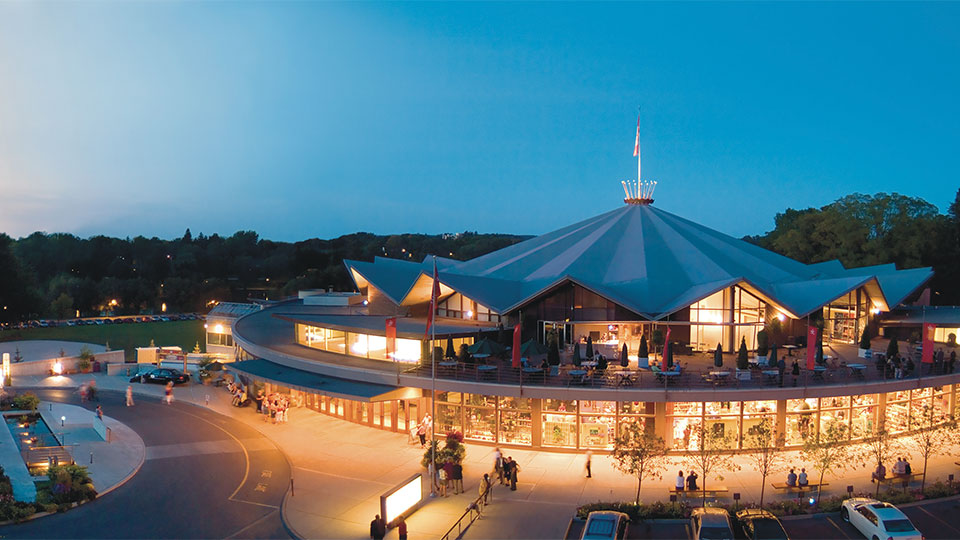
x,y
402,500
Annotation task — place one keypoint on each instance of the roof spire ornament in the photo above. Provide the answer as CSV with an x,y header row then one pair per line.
x,y
638,192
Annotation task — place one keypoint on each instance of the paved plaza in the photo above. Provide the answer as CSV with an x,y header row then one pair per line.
x,y
340,469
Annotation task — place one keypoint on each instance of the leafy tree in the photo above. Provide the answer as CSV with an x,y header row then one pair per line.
x,y
658,337
62,307
937,434
829,452
712,457
743,361
765,446
865,337
879,445
639,453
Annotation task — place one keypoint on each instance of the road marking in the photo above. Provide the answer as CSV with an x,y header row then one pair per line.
x,y
268,514
837,527
927,512
314,471
266,474
265,505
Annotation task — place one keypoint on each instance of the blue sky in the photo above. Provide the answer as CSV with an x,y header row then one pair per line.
x,y
309,119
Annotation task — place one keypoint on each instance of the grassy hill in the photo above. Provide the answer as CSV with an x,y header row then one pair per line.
x,y
185,334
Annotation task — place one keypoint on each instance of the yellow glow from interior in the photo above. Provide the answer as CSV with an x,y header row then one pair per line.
x,y
163,307
377,343
403,499
408,350
113,302
359,348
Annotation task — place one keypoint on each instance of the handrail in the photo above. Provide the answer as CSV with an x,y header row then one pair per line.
x,y
472,512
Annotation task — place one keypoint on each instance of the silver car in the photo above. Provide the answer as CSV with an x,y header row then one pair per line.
x,y
711,524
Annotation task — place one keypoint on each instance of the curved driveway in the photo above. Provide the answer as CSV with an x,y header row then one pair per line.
x,y
205,476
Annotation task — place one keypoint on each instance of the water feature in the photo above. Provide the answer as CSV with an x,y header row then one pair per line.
x,y
29,431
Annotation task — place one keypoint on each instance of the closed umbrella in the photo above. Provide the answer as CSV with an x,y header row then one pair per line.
x,y
590,347
624,356
772,361
451,353
718,356
576,354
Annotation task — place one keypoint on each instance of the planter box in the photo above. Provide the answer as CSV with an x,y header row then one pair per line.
x,y
643,363
864,353
762,361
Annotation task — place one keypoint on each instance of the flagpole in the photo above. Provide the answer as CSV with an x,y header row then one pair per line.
x,y
433,377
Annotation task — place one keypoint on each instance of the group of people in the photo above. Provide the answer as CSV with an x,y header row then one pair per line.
x,y
795,480
688,483
450,476
900,468
239,393
274,407
378,528
506,469
420,430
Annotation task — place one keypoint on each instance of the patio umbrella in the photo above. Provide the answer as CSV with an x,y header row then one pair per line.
x,y
214,366
484,348
772,361
668,355
718,356
451,353
576,354
532,348
589,347
624,356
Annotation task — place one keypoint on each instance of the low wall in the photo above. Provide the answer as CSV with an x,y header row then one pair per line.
x,y
44,367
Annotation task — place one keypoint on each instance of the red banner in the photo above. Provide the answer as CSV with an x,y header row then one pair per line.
x,y
434,297
929,330
811,346
391,334
516,346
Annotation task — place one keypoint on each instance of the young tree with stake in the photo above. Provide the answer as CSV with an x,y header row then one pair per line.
x,y
639,453
828,453
765,446
711,457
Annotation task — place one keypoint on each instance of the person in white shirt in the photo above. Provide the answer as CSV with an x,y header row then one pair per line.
x,y
680,481
802,479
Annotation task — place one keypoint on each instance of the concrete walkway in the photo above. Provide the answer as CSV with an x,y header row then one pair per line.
x,y
340,469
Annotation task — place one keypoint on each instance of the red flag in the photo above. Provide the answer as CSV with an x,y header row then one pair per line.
x,y
929,331
391,334
811,346
434,295
666,344
636,143
516,346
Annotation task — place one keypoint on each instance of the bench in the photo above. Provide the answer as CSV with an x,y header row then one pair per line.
x,y
899,478
798,489
709,492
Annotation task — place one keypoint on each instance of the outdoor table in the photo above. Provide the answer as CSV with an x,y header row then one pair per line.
x,y
447,364
719,376
818,371
667,375
589,363
858,369
624,377
771,374
790,349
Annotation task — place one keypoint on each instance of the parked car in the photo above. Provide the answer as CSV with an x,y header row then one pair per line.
x,y
878,520
759,524
162,376
711,524
605,525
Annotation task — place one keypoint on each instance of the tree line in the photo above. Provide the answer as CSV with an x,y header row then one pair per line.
x,y
56,275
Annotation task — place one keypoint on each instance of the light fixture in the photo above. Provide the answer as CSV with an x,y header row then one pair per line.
x,y
218,328
469,314
63,419
57,368
781,316
874,310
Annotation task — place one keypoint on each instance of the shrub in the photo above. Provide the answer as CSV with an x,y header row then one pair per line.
x,y
897,496
763,343
789,507
832,503
639,512
28,401
70,484
939,489
50,507
865,338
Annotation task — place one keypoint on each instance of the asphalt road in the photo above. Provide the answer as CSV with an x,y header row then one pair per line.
x,y
205,476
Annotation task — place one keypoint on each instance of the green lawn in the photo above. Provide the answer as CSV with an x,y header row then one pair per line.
x,y
185,334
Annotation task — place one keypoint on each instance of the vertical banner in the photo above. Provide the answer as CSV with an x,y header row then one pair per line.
x,y
812,335
929,329
516,346
391,335
667,352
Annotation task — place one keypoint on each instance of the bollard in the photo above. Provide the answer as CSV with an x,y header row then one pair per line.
x,y
91,458
849,489
206,399
51,406
291,487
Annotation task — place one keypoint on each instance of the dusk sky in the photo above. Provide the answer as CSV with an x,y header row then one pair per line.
x,y
303,119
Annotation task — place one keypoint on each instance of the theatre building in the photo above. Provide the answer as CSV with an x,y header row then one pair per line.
x,y
635,271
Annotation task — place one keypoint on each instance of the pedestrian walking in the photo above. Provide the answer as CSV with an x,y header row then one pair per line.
x,y
422,433
513,471
589,459
129,395
442,475
378,529
99,412
402,528
498,464
168,393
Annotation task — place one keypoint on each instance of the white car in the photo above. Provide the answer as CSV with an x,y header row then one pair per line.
x,y
878,520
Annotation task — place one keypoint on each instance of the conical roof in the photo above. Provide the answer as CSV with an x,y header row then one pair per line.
x,y
653,263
